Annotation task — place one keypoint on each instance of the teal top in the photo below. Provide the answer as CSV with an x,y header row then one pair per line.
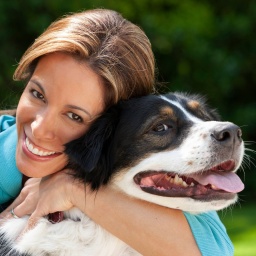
x,y
209,232
10,178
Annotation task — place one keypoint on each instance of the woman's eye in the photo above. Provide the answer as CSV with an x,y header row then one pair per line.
x,y
37,95
75,117
161,128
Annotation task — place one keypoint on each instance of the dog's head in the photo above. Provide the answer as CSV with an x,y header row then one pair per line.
x,y
170,149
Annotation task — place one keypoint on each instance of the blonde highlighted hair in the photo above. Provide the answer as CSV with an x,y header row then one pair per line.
x,y
113,47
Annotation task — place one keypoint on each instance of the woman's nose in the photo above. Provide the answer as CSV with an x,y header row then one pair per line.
x,y
44,126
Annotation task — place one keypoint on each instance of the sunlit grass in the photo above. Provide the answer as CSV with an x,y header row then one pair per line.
x,y
241,227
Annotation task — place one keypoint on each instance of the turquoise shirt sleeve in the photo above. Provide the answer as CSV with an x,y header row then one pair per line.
x,y
6,122
210,234
10,176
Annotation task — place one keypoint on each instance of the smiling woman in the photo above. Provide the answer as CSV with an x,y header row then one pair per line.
x,y
81,65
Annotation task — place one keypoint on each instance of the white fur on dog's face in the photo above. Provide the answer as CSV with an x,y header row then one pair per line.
x,y
196,154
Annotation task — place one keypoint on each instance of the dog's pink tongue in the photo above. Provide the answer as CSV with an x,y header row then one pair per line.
x,y
227,181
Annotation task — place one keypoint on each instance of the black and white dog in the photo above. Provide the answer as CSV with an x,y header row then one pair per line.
x,y
170,150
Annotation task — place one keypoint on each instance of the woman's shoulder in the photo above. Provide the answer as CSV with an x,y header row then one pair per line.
x,y
210,234
10,176
9,112
6,121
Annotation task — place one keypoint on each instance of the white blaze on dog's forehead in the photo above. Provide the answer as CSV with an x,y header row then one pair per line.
x,y
178,105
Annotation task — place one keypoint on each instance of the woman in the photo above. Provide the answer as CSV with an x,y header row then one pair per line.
x,y
78,67
98,45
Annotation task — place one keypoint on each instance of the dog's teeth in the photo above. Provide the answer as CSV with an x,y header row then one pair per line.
x,y
192,184
184,184
180,181
176,179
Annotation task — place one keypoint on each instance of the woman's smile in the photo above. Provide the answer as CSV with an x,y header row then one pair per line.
x,y
38,151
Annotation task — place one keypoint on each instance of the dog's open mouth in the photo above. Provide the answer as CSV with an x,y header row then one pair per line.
x,y
218,182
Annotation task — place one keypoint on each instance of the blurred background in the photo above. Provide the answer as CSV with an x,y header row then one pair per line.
x,y
206,47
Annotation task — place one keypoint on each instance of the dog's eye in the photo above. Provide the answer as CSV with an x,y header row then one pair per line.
x,y
160,128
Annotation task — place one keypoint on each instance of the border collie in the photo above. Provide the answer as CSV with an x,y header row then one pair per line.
x,y
170,150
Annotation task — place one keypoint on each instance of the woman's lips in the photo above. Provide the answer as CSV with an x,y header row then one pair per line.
x,y
34,150
37,153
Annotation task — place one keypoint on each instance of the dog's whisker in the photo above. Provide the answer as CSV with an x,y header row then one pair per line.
x,y
246,162
163,176
244,125
250,150
249,142
249,160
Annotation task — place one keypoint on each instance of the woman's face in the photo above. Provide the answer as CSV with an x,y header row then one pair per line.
x,y
60,100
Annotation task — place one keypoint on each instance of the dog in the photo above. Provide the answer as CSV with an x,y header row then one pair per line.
x,y
171,150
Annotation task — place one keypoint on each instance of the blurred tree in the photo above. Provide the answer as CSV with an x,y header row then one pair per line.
x,y
205,47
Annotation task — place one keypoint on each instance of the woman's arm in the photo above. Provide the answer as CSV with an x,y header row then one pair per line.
x,y
148,228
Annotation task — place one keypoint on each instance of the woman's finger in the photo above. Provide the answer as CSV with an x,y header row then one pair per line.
x,y
21,209
32,221
26,201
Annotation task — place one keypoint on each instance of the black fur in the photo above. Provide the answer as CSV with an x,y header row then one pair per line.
x,y
89,155
7,250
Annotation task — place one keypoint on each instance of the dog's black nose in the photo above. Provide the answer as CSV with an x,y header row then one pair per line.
x,y
227,133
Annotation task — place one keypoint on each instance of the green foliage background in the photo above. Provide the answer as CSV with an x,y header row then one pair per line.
x,y
206,47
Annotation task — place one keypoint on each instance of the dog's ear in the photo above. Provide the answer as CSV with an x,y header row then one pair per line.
x,y
89,156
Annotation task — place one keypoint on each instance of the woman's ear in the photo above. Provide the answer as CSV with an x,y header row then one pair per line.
x,y
88,156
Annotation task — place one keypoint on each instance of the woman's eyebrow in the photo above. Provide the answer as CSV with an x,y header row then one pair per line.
x,y
38,84
81,109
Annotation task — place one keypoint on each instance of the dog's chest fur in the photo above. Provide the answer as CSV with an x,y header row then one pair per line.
x,y
67,238
171,150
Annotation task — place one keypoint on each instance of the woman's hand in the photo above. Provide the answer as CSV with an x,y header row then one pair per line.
x,y
40,197
27,200
55,194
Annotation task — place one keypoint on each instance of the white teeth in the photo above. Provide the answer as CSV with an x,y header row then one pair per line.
x,y
214,187
178,181
184,184
36,151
